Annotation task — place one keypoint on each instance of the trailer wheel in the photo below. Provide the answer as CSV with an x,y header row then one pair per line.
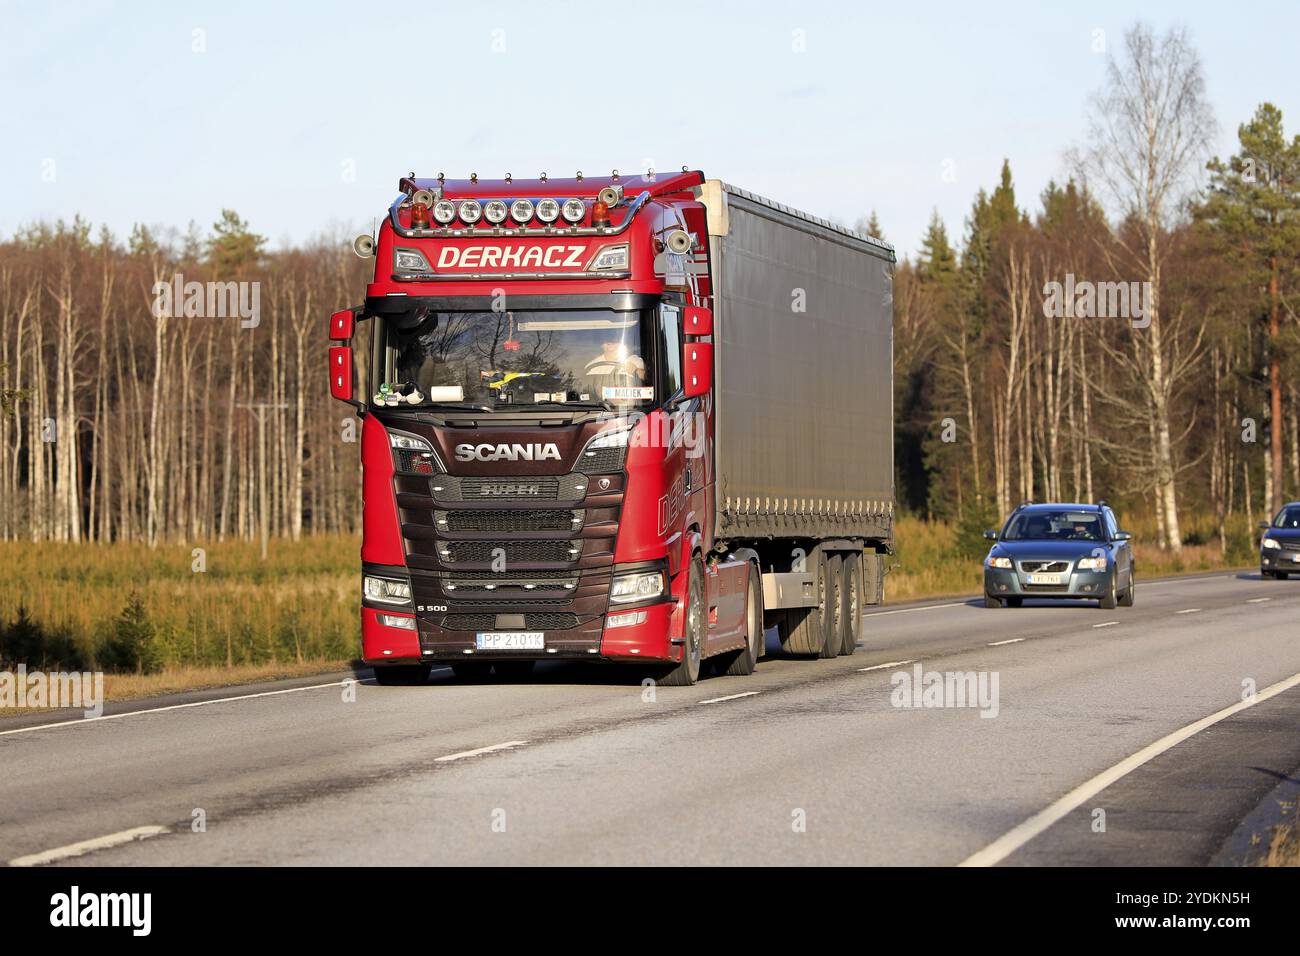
x,y
401,675
741,663
694,629
471,670
850,603
808,627
833,601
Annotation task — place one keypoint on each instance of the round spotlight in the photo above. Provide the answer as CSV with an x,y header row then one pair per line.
x,y
573,210
548,210
521,210
471,211
495,212
444,211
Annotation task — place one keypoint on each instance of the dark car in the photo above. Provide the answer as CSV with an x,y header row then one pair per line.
x,y
1060,551
1279,547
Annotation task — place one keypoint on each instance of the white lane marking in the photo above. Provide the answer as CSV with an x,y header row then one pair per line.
x,y
508,745
1188,610
718,700
1009,842
88,846
1258,600
909,610
1106,624
881,667
1014,640
197,703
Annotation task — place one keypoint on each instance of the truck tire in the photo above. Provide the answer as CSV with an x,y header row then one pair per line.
x,y
850,604
401,675
694,630
742,663
834,603
806,627
513,670
471,670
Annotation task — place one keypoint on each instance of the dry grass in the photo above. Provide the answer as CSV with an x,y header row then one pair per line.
x,y
301,604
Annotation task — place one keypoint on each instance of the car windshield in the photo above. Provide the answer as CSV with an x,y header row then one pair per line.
x,y
1288,517
489,360
1054,526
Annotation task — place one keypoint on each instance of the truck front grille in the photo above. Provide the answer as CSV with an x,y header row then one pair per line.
x,y
513,552
541,621
508,520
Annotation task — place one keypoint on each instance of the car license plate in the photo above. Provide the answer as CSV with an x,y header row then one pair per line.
x,y
1295,557
510,640
1046,578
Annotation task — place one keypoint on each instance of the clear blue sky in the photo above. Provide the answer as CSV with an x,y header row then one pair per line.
x,y
279,105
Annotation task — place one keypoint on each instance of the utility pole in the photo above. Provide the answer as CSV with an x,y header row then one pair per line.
x,y
263,511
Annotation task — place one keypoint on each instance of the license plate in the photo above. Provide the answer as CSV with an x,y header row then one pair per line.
x,y
1295,557
510,640
1046,578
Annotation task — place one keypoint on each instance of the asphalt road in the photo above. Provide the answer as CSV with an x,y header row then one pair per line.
x,y
813,765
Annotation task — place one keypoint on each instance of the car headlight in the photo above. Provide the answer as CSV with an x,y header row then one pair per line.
x,y
386,590
1270,543
999,562
610,258
637,586
1091,564
410,260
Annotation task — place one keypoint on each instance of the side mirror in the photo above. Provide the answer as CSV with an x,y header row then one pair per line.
x,y
342,324
341,372
1263,526
697,368
697,320
991,535
1123,536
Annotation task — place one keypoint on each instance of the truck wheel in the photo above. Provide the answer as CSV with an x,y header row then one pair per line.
x,y
399,675
694,629
807,626
850,604
513,670
833,602
741,663
472,670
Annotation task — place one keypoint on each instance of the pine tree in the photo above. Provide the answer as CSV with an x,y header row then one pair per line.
x,y
1252,209
232,247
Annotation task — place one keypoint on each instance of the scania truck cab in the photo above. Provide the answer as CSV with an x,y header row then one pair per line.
x,y
540,473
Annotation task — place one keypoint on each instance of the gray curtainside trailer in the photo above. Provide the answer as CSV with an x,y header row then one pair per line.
x,y
803,336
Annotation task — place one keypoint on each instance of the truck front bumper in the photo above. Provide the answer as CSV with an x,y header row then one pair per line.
x,y
646,639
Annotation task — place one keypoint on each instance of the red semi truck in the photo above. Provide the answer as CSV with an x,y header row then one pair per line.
x,y
628,419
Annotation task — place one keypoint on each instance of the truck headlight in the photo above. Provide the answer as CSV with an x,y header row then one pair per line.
x,y
410,260
610,258
386,590
999,562
614,438
1091,564
637,586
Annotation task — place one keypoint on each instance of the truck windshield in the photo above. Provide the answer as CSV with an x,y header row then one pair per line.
x,y
488,360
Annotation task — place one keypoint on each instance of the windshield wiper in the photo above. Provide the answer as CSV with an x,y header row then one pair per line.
x,y
458,406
